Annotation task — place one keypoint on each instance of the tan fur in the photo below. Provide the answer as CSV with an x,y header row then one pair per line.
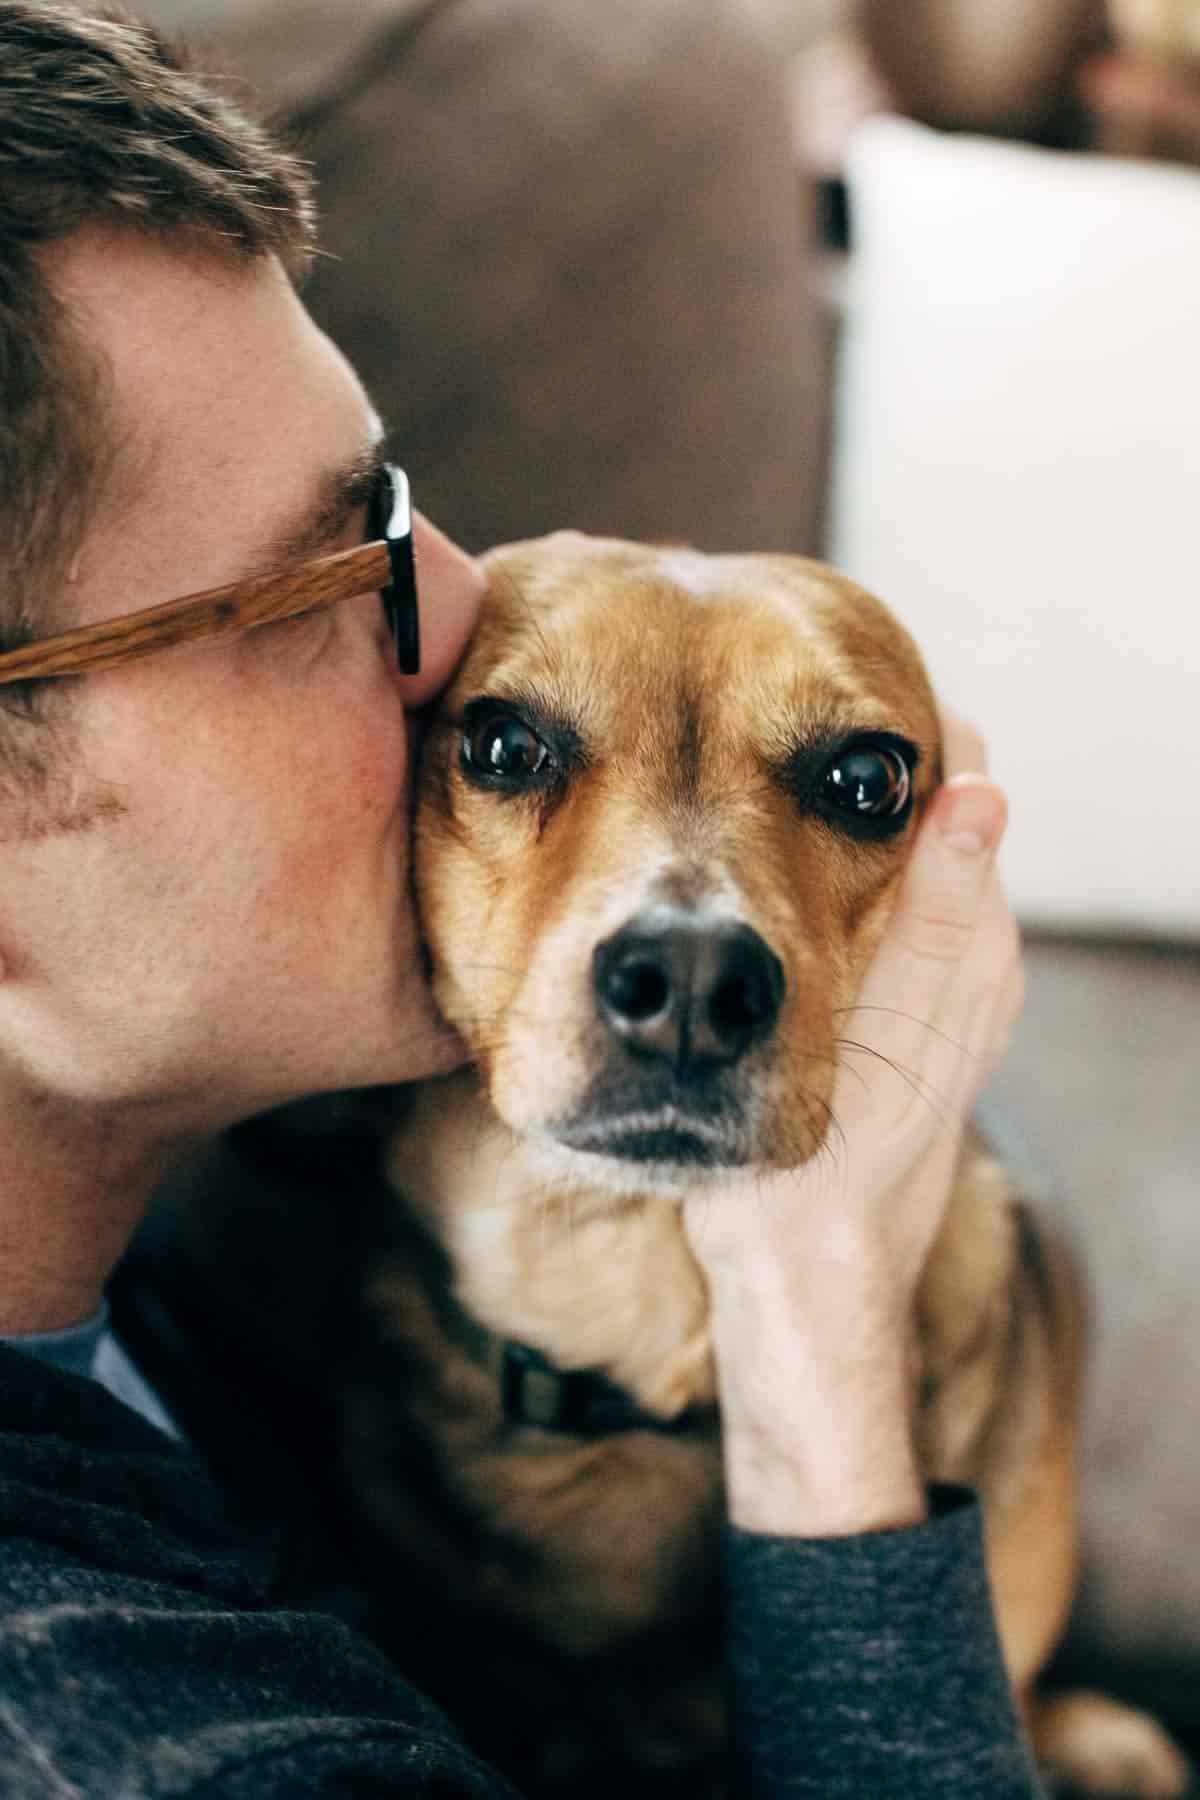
x,y
683,683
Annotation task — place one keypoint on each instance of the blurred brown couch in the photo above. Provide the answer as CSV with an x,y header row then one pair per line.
x,y
560,245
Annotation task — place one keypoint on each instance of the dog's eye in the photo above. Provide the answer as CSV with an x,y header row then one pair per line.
x,y
867,782
504,746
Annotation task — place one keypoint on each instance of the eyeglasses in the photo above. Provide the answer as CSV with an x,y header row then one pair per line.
x,y
385,562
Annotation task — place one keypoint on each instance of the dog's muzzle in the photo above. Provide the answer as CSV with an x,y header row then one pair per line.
x,y
681,997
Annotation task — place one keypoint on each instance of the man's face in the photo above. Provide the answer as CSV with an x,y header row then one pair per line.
x,y
220,918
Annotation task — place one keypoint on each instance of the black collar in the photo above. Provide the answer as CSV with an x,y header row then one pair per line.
x,y
580,1401
577,1402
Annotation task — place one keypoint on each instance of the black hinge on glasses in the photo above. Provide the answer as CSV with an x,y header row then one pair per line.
x,y
392,521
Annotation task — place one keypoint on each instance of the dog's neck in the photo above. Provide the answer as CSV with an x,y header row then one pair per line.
x,y
588,1282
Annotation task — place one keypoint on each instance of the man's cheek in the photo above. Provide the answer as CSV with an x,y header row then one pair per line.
x,y
348,824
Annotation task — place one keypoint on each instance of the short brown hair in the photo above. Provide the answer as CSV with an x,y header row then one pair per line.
x,y
102,120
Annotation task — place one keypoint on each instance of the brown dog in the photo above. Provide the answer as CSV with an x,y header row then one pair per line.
x,y
663,811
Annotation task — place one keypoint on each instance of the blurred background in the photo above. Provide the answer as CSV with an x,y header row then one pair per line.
x,y
914,285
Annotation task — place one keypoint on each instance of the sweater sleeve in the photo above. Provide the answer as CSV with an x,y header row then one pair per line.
x,y
871,1665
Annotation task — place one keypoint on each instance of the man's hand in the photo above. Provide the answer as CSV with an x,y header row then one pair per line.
x,y
813,1271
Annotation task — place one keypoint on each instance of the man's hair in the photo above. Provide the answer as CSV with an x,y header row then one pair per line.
x,y
102,121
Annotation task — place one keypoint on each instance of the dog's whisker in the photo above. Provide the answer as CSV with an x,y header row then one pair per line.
x,y
833,1143
922,1088
822,1056
896,1012
920,1083
828,1124
857,1074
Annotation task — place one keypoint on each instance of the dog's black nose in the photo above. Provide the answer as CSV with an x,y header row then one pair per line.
x,y
687,989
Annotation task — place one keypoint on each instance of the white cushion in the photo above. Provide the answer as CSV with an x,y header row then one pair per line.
x,y
1017,472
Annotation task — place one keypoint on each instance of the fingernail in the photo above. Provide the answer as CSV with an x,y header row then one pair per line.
x,y
972,822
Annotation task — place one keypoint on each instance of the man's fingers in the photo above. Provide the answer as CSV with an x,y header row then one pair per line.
x,y
931,970
943,892
982,1003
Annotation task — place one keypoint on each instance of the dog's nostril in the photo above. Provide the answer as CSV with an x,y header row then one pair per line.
x,y
749,990
638,989
735,1005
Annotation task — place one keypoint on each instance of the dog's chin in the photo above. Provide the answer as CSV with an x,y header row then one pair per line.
x,y
665,1152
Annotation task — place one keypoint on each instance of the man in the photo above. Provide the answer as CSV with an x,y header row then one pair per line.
x,y
204,911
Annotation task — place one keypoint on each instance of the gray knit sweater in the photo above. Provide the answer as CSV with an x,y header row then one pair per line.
x,y
141,1653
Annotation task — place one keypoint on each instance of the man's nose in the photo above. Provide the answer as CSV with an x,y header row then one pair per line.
x,y
686,988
